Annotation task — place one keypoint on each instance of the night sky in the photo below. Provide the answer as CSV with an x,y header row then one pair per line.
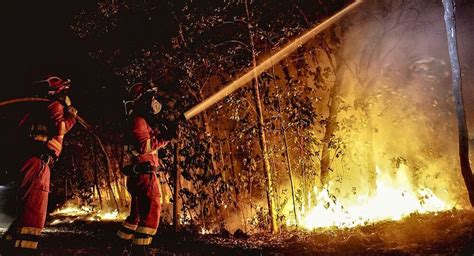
x,y
38,40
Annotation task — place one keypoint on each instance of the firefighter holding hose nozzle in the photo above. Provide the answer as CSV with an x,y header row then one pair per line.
x,y
147,133
43,129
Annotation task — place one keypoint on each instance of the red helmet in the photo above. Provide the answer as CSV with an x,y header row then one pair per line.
x,y
143,98
136,91
52,85
57,85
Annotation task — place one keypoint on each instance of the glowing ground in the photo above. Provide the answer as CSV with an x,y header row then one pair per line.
x,y
447,233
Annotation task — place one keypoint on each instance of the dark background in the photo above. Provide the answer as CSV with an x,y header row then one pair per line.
x,y
38,40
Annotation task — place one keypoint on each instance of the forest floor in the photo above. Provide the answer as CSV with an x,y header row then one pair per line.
x,y
448,233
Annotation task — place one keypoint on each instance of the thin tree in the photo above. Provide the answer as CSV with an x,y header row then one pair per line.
x,y
333,104
450,20
177,187
262,135
284,128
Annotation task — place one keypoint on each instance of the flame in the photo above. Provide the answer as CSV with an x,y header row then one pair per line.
x,y
114,215
394,199
205,231
71,212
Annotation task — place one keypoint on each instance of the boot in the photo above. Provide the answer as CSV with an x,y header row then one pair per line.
x,y
121,247
140,250
6,242
6,245
25,252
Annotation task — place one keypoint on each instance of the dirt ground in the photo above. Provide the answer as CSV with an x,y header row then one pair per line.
x,y
449,233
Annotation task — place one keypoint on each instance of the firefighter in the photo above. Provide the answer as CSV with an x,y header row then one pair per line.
x,y
142,182
43,130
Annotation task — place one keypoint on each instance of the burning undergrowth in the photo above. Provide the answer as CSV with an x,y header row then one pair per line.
x,y
70,213
386,143
447,233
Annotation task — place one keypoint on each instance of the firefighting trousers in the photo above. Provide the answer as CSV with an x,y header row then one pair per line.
x,y
145,210
32,199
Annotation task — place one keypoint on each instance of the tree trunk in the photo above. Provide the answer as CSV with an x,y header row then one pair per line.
x,y
177,187
331,121
233,173
273,160
449,18
236,179
262,136
211,150
370,156
208,134
117,154
325,157
107,171
96,177
65,189
303,172
287,153
290,174
123,183
225,176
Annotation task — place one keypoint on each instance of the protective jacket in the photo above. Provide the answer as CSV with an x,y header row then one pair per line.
x,y
44,129
142,223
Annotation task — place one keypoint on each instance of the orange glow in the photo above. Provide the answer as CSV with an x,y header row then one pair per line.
x,y
71,212
393,199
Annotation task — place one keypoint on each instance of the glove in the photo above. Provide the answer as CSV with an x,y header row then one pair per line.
x,y
49,157
67,101
168,130
54,146
72,111
182,118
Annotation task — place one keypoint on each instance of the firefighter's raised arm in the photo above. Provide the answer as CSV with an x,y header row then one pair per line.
x,y
61,113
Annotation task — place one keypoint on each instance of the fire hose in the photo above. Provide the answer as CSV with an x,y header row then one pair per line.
x,y
271,61
82,122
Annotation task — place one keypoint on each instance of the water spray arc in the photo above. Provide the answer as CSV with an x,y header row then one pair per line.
x,y
272,60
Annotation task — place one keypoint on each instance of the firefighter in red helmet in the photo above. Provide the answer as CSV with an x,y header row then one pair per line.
x,y
43,130
143,184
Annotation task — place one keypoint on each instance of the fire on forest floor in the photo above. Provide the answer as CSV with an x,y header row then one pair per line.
x,y
393,199
444,233
70,213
